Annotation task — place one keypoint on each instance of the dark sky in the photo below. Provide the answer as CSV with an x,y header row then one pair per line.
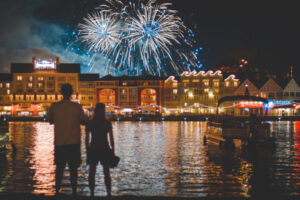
x,y
265,34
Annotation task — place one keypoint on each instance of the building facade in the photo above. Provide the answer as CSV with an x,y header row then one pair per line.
x,y
31,88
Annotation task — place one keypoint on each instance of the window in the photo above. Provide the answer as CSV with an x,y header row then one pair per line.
x,y
271,95
206,82
292,94
40,85
1,85
51,78
30,78
123,91
217,90
83,98
30,85
124,83
286,94
186,90
279,94
40,78
7,85
61,78
196,81
174,91
8,91
91,98
175,84
19,78
206,90
133,91
216,83
235,83
298,94
227,83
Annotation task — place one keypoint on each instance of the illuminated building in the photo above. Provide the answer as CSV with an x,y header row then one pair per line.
x,y
200,92
130,94
32,87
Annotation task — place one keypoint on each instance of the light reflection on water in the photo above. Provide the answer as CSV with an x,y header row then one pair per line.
x,y
158,158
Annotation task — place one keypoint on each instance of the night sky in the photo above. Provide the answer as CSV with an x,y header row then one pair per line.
x,y
265,34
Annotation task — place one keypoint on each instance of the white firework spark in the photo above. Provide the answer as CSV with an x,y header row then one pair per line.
x,y
139,36
101,32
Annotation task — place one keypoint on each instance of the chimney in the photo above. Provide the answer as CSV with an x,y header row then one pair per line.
x,y
57,60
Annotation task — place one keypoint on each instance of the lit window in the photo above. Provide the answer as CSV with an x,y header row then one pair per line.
x,y
7,85
8,91
185,104
19,78
29,84
123,91
1,85
30,78
175,84
186,90
217,90
124,83
174,91
40,85
206,90
235,84
227,83
40,78
191,96
133,91
216,83
206,82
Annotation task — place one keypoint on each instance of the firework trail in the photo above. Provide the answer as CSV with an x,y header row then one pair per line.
x,y
140,37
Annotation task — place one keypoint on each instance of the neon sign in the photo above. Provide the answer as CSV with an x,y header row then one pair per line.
x,y
45,64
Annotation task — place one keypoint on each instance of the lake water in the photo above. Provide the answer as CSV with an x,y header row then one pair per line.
x,y
158,159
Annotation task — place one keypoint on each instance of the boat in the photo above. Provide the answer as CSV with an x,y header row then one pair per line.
x,y
234,130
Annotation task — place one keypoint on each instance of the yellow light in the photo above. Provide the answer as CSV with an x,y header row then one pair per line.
x,y
210,94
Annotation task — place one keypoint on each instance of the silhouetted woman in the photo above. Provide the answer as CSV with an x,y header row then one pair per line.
x,y
99,149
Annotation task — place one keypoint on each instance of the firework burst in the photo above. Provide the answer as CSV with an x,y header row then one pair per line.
x,y
140,37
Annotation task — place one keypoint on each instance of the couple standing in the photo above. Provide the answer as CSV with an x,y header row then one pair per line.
x,y
67,117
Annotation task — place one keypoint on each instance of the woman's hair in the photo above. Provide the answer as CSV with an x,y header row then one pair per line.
x,y
99,112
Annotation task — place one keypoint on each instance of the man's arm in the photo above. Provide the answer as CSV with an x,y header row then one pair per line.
x,y
87,137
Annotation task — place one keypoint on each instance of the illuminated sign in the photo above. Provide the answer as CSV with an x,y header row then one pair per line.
x,y
250,104
45,64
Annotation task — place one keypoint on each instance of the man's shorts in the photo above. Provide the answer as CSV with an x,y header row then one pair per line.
x,y
67,154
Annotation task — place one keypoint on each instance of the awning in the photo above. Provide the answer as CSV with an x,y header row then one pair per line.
x,y
241,97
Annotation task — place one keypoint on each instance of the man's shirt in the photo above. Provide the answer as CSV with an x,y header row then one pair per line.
x,y
67,117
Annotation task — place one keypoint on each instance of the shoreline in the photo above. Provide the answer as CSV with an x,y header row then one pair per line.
x,y
29,196
170,118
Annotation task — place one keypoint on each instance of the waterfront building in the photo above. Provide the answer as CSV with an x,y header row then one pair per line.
x,y
32,87
5,94
130,95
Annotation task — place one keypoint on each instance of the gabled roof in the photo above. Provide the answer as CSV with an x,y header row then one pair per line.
x,y
292,86
271,85
251,87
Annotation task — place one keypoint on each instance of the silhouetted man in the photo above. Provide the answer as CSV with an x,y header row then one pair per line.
x,y
66,117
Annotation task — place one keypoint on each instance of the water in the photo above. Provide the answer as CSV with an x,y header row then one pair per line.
x,y
158,158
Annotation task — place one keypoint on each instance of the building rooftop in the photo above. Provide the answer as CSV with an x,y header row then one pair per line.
x,y
6,77
29,68
129,78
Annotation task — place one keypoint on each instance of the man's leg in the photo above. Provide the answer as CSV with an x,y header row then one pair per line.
x,y
74,175
58,177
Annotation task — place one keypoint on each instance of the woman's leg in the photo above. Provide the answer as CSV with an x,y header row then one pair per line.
x,y
92,174
107,179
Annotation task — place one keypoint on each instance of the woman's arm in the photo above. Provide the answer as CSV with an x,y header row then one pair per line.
x,y
111,140
87,137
